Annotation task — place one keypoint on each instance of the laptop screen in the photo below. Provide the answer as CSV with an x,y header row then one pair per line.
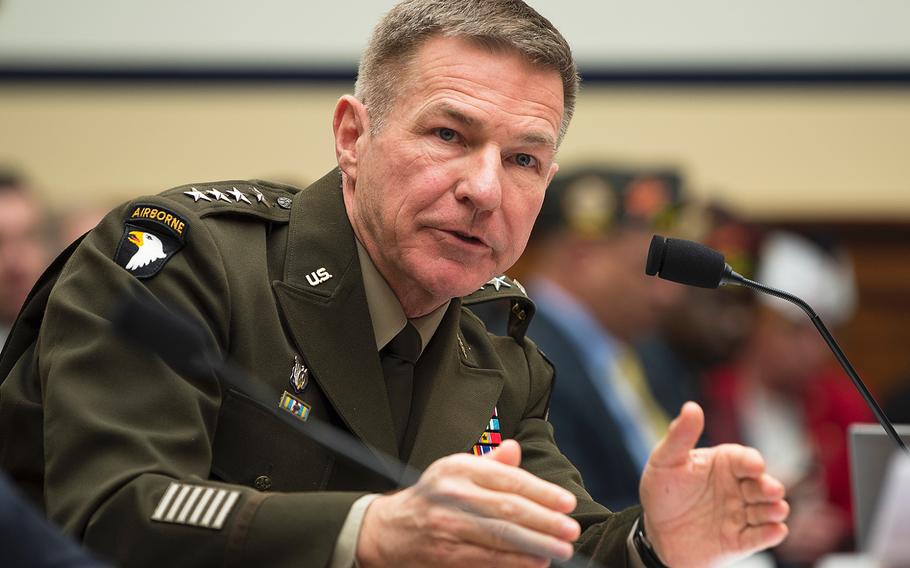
x,y
871,451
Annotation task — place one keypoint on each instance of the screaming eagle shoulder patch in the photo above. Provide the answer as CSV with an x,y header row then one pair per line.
x,y
152,234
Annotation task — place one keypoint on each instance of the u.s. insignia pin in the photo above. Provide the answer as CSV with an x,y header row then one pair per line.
x,y
299,375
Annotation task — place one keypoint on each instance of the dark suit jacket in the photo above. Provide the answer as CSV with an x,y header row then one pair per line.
x,y
26,539
119,427
585,429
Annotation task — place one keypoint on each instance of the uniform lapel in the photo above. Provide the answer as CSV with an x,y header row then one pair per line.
x,y
457,391
324,308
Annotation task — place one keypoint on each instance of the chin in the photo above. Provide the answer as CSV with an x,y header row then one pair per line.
x,y
454,282
455,289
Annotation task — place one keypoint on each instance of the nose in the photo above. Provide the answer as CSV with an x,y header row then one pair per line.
x,y
481,184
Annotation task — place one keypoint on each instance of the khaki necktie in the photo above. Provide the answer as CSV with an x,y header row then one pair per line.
x,y
398,358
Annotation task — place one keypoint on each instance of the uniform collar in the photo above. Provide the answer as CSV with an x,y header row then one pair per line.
x,y
386,312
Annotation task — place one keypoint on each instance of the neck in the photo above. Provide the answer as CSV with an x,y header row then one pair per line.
x,y
415,300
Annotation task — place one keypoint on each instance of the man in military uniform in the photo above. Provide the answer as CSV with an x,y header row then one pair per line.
x,y
353,284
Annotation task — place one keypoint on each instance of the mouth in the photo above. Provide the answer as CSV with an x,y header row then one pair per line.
x,y
466,238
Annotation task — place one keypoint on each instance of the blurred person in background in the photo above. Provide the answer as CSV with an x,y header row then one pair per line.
x,y
706,327
24,246
593,301
78,220
785,396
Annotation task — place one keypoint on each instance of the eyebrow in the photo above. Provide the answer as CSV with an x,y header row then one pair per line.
x,y
530,138
454,114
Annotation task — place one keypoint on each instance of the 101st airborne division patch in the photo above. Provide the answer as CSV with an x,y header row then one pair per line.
x,y
152,234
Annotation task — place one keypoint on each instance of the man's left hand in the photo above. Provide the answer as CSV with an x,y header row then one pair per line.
x,y
708,505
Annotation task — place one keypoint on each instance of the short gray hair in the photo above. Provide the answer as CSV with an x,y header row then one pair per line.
x,y
494,24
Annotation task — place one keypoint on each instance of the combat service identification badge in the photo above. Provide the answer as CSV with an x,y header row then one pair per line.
x,y
299,375
152,234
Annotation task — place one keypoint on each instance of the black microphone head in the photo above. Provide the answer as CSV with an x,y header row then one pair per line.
x,y
686,262
655,255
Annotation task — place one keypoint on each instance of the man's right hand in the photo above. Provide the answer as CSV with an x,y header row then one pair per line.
x,y
470,511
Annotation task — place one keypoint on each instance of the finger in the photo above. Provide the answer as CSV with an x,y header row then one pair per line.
x,y
524,512
763,513
508,453
681,437
765,489
755,538
745,462
497,476
453,525
499,534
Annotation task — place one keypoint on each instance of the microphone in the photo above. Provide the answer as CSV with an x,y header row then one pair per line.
x,y
695,264
686,262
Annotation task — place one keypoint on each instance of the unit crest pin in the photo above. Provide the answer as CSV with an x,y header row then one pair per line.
x,y
299,375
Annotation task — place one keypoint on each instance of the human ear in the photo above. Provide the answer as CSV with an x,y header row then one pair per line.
x,y
350,124
554,167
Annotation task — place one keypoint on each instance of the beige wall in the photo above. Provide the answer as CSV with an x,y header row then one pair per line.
x,y
796,153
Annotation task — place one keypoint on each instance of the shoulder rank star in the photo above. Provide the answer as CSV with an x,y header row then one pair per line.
x,y
238,196
519,286
260,198
197,195
299,375
497,282
218,195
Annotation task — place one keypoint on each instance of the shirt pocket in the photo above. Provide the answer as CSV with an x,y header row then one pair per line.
x,y
254,447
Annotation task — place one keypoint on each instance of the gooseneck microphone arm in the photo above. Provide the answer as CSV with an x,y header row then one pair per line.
x,y
694,264
739,280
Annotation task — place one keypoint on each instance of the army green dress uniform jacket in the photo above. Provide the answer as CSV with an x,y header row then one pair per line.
x,y
150,468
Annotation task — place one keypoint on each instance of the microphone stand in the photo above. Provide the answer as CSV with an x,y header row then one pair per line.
x,y
730,276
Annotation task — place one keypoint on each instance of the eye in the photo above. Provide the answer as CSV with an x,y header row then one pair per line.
x,y
446,134
525,160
